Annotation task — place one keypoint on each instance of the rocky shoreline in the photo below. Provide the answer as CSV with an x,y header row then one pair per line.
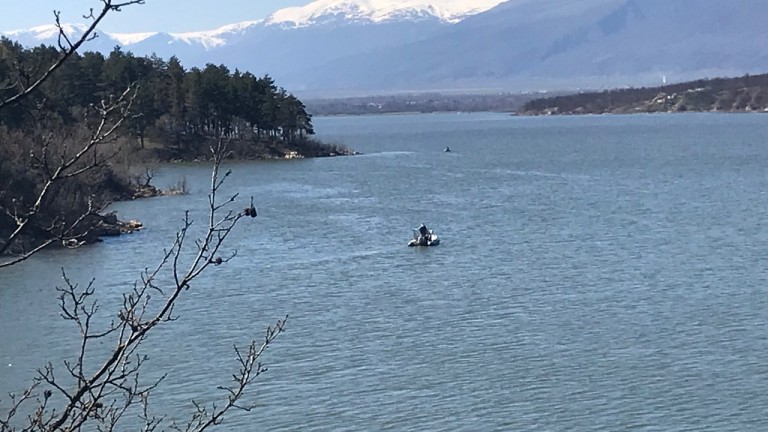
x,y
108,225
105,225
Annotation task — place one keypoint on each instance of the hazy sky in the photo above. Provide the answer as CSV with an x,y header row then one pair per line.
x,y
154,15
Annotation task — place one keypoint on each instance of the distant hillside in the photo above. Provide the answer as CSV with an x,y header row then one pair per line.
x,y
425,103
746,93
529,45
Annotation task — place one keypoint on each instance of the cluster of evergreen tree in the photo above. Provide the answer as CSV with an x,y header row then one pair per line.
x,y
174,114
177,108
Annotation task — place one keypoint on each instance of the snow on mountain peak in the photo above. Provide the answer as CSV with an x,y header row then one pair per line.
x,y
131,38
48,31
214,38
316,13
379,10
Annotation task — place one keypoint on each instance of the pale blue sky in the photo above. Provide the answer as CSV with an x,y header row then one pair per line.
x,y
154,15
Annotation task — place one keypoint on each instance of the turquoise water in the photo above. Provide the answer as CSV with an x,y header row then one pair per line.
x,y
595,273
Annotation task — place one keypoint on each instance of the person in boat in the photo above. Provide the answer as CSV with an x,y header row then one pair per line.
x,y
447,149
423,231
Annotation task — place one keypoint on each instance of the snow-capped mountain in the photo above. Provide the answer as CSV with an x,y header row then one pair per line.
x,y
565,44
293,38
321,31
44,33
364,46
377,11
318,13
210,39
207,39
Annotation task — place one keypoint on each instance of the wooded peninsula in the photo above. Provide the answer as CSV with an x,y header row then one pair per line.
x,y
74,127
748,93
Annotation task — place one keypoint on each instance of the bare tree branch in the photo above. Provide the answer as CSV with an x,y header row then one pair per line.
x,y
67,168
92,397
249,369
96,392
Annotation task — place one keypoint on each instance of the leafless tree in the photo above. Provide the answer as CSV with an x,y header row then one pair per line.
x,y
145,178
101,397
57,163
72,395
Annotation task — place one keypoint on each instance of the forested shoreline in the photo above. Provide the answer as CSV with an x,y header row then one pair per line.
x,y
75,128
175,110
70,125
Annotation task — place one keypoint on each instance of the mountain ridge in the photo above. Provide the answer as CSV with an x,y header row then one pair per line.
x,y
451,11
316,13
353,48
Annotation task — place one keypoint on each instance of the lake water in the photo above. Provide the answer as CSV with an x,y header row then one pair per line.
x,y
598,273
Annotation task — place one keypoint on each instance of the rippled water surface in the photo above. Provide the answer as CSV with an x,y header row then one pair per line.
x,y
595,274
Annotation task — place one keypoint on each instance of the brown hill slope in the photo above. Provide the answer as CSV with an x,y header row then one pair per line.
x,y
742,94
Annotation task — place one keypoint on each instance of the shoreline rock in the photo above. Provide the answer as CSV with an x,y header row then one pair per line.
x,y
110,226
